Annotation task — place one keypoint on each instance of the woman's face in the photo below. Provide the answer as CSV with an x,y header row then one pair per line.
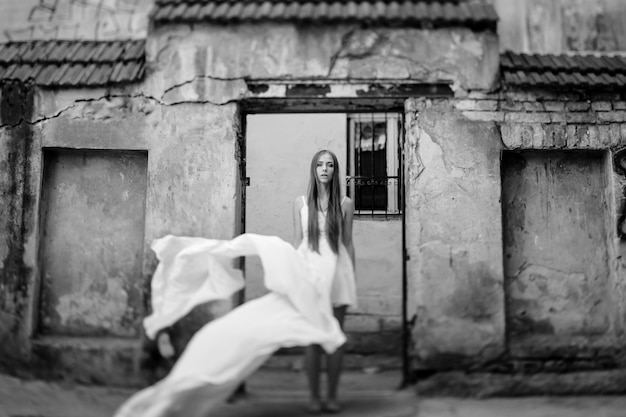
x,y
325,168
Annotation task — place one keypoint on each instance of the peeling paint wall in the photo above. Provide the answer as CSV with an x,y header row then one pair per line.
x,y
190,189
557,269
16,216
454,237
211,63
93,215
27,20
556,26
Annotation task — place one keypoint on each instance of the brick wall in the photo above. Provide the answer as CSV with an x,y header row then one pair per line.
x,y
548,120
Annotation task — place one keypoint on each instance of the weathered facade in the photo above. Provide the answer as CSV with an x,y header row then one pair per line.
x,y
513,181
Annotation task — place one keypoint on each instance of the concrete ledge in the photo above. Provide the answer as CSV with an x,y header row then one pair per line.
x,y
481,385
87,360
294,361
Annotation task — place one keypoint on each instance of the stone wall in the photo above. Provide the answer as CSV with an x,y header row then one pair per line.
x,y
191,190
213,63
465,315
454,237
557,26
70,19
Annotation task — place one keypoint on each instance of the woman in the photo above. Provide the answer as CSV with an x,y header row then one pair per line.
x,y
296,312
323,229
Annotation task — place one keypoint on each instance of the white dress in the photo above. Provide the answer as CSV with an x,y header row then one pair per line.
x,y
191,271
335,269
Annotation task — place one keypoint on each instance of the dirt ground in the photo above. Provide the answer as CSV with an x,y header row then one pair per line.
x,y
280,393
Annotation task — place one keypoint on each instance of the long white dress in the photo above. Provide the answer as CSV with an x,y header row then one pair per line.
x,y
296,312
335,269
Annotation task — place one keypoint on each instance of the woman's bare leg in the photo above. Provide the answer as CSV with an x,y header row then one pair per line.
x,y
312,357
334,366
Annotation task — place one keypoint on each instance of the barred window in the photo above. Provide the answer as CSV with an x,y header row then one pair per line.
x,y
374,162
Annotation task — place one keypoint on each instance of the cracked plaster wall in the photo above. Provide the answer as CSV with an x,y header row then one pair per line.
x,y
16,217
211,63
558,245
191,185
454,237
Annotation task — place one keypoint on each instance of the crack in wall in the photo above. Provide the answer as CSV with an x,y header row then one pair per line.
x,y
203,77
76,103
37,121
208,77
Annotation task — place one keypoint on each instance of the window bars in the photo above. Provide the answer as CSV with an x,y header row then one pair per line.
x,y
374,163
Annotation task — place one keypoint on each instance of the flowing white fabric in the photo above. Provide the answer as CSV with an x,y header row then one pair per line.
x,y
221,354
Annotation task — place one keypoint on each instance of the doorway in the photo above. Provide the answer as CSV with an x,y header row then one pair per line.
x,y
279,147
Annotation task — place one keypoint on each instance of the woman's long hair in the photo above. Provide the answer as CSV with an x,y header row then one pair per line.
x,y
334,217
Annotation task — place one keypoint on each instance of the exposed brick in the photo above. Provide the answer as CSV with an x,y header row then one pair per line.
x,y
578,106
569,96
612,116
606,97
601,106
560,136
557,118
622,137
509,105
554,136
487,105
510,135
548,140
614,135
570,137
538,136
619,105
526,133
479,95
554,106
533,106
484,116
580,117
604,133
594,136
465,105
521,96
479,105
582,137
527,117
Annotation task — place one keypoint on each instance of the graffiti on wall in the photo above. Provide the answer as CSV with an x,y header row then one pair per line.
x,y
79,19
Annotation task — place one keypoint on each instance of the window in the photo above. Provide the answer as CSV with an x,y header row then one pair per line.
x,y
374,162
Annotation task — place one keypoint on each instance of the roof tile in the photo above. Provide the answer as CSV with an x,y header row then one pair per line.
x,y
564,70
409,12
65,63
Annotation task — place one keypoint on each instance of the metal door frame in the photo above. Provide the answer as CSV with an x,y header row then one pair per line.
x,y
317,105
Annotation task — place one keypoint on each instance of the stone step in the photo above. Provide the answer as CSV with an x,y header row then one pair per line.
x,y
294,360
88,360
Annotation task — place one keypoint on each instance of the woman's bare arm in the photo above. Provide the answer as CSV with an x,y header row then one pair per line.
x,y
348,209
297,225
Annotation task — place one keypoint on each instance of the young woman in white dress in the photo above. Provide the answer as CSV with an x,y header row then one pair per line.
x,y
309,291
323,235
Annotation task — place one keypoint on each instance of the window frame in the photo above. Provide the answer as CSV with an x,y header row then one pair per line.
x,y
394,129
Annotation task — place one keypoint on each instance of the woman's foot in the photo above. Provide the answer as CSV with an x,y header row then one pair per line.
x,y
315,406
332,407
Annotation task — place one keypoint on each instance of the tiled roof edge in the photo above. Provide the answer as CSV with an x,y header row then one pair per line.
x,y
73,63
419,13
590,70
